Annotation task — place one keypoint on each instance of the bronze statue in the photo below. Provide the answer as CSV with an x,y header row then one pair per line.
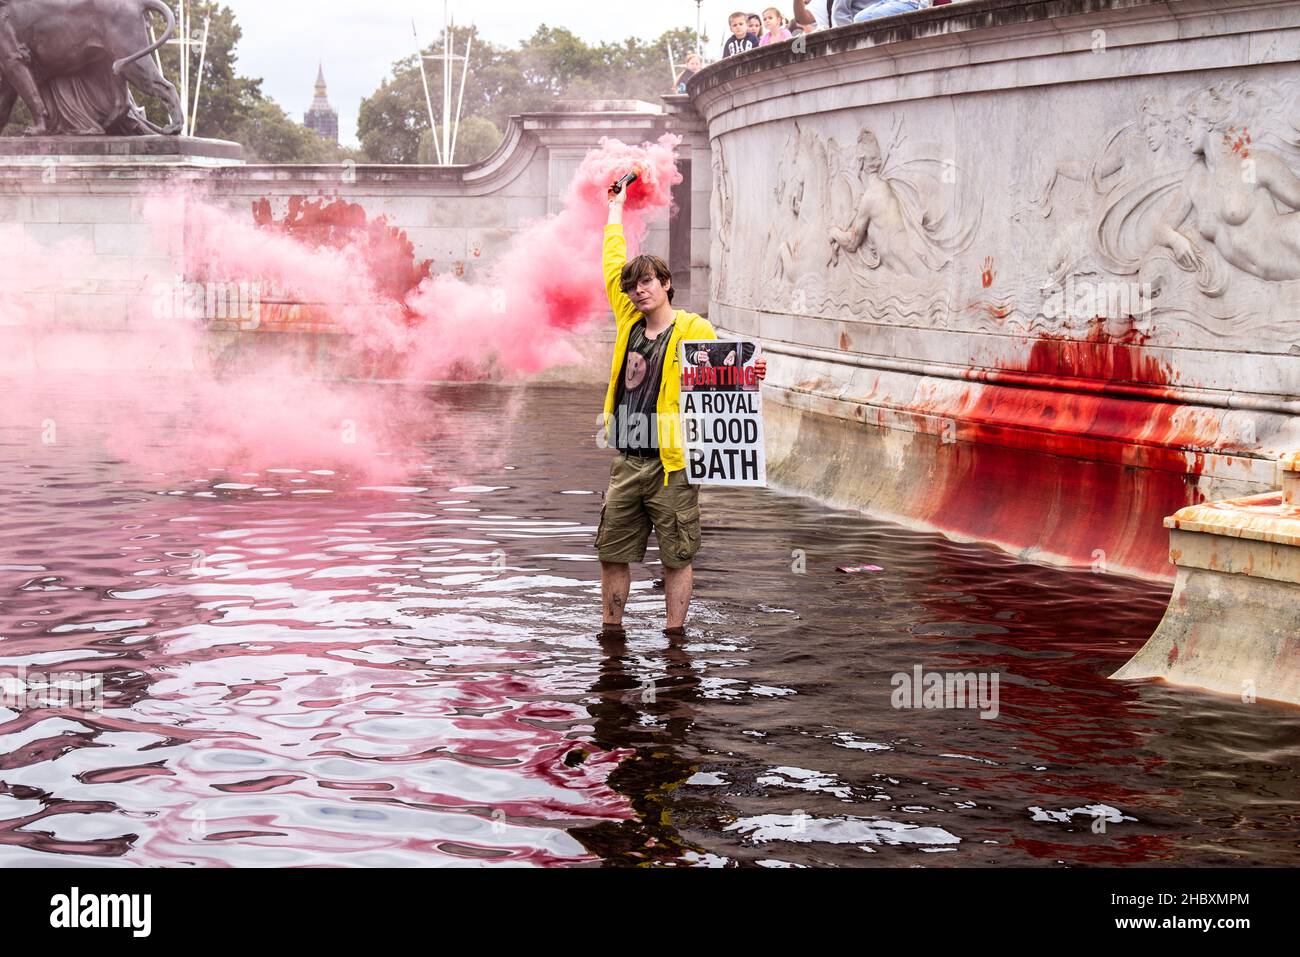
x,y
71,61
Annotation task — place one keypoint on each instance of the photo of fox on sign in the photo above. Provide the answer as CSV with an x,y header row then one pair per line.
x,y
722,413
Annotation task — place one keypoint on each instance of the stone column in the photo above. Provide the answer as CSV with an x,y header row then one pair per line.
x,y
688,234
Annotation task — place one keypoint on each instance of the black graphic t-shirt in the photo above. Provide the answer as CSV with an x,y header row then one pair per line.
x,y
635,424
736,45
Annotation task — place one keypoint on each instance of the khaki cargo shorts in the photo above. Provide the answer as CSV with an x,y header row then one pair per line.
x,y
637,499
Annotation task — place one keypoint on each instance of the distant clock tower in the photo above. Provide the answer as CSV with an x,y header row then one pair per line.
x,y
322,117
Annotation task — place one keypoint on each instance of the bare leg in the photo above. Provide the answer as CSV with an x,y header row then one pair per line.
x,y
615,583
678,585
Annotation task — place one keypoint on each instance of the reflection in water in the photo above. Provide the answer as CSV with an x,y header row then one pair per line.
x,y
300,671
649,716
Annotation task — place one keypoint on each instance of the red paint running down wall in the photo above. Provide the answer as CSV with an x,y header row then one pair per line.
x,y
1100,355
387,252
1049,460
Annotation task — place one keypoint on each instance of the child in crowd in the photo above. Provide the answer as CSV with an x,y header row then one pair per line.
x,y
739,41
775,23
755,27
693,64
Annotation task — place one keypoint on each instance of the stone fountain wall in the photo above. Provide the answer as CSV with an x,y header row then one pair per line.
x,y
1028,273
90,191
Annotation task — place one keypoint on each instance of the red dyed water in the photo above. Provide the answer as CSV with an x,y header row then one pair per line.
x,y
300,671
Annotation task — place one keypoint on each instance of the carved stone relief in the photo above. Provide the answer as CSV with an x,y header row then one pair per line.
x,y
1191,199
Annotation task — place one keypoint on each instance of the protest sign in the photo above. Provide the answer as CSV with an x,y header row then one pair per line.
x,y
722,413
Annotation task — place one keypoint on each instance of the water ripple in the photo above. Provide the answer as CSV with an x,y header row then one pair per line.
x,y
301,671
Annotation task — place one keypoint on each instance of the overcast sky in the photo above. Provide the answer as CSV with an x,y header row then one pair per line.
x,y
358,40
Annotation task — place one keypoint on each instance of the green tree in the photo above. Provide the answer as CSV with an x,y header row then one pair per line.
x,y
226,98
232,106
392,118
552,64
269,136
476,139
551,59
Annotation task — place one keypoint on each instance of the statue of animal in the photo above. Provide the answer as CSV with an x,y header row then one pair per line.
x,y
70,61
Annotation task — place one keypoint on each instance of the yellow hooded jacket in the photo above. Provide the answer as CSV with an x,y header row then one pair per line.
x,y
686,326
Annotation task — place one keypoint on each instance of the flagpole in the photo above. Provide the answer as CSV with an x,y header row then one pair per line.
x,y
183,42
428,99
184,50
446,84
446,138
198,82
460,103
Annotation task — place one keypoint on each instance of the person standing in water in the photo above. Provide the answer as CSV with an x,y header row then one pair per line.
x,y
647,479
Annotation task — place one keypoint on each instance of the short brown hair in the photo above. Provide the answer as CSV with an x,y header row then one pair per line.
x,y
637,268
745,16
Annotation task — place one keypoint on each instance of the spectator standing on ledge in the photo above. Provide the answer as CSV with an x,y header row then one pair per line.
x,y
739,41
775,23
693,64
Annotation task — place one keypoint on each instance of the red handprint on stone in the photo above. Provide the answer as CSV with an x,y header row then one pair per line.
x,y
986,277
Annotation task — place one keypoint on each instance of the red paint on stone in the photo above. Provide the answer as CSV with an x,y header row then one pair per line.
x,y
388,253
1052,462
1099,355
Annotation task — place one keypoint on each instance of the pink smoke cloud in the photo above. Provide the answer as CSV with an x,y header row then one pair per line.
x,y
263,410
